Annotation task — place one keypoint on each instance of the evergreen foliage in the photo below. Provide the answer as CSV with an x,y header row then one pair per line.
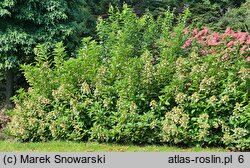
x,y
26,23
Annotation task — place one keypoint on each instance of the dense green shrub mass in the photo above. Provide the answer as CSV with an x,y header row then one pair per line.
x,y
135,84
237,18
26,24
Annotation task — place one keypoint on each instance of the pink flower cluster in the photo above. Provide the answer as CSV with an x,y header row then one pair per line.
x,y
219,43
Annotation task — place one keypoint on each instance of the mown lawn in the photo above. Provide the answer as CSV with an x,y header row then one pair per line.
x,y
6,146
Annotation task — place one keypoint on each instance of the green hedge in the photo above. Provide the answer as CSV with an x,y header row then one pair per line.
x,y
134,85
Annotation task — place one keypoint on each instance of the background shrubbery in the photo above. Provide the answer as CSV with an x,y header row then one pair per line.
x,y
137,84
237,18
35,22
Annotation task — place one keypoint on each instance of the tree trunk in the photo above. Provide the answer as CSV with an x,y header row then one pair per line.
x,y
9,86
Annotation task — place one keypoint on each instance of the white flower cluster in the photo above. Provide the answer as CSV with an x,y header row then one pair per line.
x,y
206,83
175,124
85,89
198,69
180,98
244,73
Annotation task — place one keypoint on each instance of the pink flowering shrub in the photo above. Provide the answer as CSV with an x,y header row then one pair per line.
x,y
221,44
208,98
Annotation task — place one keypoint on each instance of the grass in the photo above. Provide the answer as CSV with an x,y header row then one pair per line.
x,y
57,146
